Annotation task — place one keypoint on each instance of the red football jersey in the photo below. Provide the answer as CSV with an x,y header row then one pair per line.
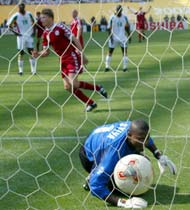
x,y
75,24
39,27
141,17
59,37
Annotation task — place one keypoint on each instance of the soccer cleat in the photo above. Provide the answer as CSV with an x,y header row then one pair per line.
x,y
107,69
90,107
125,69
86,186
20,73
103,92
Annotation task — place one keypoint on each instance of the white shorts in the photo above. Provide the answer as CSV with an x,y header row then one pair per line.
x,y
114,43
24,42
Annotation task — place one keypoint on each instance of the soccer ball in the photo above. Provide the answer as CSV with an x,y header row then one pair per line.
x,y
134,185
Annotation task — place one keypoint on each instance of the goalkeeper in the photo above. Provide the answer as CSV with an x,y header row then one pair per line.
x,y
105,146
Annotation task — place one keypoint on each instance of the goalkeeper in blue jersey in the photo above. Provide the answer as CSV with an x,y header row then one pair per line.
x,y
109,143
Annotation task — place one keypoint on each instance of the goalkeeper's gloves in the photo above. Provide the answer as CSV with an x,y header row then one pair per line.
x,y
132,203
164,161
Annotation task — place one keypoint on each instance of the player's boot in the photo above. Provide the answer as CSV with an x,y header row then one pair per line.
x,y
107,69
86,184
20,73
125,69
90,107
103,92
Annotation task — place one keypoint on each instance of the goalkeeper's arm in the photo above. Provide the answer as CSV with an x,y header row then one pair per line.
x,y
163,160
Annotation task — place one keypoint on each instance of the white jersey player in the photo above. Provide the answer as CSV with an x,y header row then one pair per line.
x,y
21,24
118,26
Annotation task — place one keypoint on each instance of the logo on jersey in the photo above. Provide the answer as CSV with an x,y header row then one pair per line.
x,y
57,33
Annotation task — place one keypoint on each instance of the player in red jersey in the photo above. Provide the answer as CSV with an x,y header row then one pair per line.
x,y
141,20
69,49
76,27
39,30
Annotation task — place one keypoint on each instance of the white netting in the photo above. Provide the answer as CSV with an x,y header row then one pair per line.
x,y
42,126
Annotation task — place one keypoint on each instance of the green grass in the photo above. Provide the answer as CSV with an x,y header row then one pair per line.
x,y
41,131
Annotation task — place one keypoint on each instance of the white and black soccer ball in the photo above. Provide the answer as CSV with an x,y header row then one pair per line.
x,y
138,184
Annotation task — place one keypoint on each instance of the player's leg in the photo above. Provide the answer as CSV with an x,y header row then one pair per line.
x,y
75,85
139,36
30,47
125,58
87,85
38,40
143,33
99,88
111,45
140,33
72,84
20,47
21,62
32,61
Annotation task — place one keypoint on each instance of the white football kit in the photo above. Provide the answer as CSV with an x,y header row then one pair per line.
x,y
23,24
117,26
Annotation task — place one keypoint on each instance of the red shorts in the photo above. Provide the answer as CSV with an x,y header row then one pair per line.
x,y
141,26
71,65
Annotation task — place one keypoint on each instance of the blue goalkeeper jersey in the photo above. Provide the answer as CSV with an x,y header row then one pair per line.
x,y
105,146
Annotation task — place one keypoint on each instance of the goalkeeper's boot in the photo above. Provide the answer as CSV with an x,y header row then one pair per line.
x,y
90,107
86,185
103,92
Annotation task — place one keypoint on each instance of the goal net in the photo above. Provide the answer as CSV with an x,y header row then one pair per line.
x,y
42,126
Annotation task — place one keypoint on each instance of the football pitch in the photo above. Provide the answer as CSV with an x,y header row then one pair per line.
x,y
42,126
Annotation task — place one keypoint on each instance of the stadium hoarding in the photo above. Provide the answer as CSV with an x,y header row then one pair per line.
x,y
170,25
160,8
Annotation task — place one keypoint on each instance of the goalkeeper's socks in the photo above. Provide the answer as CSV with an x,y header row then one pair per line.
x,y
33,65
20,66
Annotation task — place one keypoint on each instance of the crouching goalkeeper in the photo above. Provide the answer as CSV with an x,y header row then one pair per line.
x,y
105,146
